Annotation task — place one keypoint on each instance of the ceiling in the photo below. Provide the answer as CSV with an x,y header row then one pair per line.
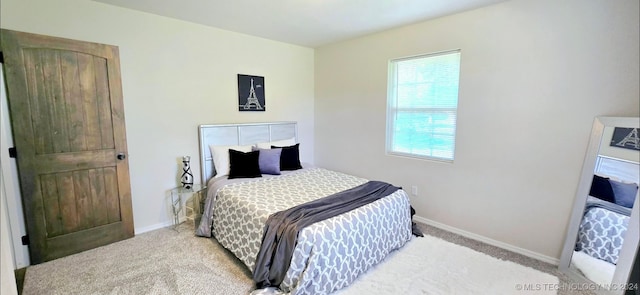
x,y
309,23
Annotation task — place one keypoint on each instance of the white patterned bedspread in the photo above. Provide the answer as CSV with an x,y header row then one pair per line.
x,y
329,254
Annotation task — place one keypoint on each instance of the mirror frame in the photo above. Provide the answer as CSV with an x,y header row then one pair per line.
x,y
629,249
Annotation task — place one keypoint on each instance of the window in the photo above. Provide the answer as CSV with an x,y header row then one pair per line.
x,y
422,105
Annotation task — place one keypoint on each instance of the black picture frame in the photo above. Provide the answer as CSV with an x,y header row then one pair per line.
x,y
251,93
626,138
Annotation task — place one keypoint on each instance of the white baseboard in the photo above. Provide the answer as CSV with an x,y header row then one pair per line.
x,y
492,242
140,230
149,228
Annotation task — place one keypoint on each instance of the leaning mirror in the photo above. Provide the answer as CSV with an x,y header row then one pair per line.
x,y
602,238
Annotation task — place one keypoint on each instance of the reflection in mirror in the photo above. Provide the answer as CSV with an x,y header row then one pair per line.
x,y
600,233
608,208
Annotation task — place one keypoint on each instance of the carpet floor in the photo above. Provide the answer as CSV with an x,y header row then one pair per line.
x,y
168,261
430,265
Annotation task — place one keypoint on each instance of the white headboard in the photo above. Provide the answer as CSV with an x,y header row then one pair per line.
x,y
239,134
624,170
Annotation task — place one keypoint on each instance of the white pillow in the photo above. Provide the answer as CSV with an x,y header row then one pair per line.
x,y
220,155
284,142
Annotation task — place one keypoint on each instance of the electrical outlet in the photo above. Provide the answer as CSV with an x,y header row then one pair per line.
x,y
414,190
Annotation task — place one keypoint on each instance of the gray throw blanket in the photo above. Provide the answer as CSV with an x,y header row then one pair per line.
x,y
282,228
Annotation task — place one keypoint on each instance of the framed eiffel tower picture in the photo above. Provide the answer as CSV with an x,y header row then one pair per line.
x,y
627,138
251,93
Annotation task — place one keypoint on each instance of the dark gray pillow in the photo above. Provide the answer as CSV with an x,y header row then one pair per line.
x,y
624,194
601,189
290,159
269,160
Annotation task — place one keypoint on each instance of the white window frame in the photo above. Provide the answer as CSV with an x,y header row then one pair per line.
x,y
392,110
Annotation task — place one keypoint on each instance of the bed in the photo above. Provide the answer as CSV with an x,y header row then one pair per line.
x,y
606,218
328,255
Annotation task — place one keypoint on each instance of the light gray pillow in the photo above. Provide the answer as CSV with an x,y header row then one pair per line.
x,y
269,160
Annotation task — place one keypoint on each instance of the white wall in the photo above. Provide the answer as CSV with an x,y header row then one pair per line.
x,y
534,74
175,76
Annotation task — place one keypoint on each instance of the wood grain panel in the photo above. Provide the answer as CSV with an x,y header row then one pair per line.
x,y
84,240
51,205
124,192
120,138
75,161
93,135
111,194
38,102
104,102
19,86
73,99
55,100
98,198
83,198
67,197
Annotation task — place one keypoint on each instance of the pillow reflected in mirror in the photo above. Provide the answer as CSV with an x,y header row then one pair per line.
x,y
624,194
601,189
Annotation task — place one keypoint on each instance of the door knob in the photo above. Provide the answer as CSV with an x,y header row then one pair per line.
x,y
121,156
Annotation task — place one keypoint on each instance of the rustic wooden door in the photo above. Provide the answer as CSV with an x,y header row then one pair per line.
x,y
65,102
